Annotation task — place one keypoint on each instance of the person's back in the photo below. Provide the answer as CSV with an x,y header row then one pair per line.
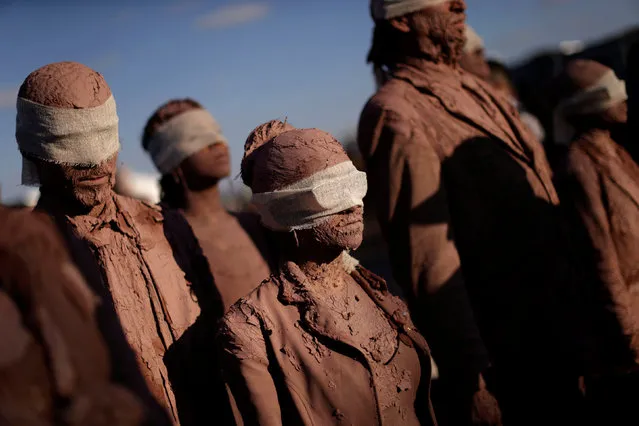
x,y
54,363
467,204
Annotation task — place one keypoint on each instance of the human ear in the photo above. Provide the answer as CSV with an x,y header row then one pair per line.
x,y
401,24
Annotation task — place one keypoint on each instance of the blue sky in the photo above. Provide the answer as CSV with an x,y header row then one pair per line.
x,y
247,61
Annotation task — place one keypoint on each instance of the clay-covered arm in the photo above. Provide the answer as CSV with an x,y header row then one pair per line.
x,y
404,178
244,363
585,196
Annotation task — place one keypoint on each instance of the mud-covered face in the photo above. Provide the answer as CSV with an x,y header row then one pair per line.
x,y
342,231
617,114
442,25
207,167
85,187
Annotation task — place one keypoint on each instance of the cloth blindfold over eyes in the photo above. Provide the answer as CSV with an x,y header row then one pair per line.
x,y
312,200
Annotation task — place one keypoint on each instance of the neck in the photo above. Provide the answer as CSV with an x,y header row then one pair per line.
x,y
426,62
203,202
324,270
319,264
54,204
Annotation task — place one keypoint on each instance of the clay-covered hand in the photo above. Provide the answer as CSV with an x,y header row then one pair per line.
x,y
485,408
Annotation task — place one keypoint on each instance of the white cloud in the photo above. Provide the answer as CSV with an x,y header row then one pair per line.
x,y
8,98
232,15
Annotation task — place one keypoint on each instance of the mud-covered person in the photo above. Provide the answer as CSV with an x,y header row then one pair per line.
x,y
143,259
54,364
633,101
322,341
473,58
602,187
501,79
466,202
187,146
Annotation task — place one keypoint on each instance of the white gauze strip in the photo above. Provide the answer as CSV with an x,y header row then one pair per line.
x,y
473,41
309,202
389,9
607,92
183,136
78,137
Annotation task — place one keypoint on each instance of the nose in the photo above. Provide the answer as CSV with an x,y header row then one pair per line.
x,y
458,6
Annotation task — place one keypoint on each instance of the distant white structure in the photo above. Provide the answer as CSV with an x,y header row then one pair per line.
x,y
570,47
143,186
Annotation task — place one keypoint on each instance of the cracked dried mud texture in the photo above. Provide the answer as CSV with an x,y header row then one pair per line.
x,y
278,155
52,349
286,327
439,143
288,156
396,369
65,85
151,283
303,310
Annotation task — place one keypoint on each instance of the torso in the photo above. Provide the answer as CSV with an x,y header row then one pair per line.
x,y
502,203
236,263
341,360
616,246
395,366
149,290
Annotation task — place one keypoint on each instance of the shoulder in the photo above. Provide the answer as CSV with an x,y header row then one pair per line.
x,y
394,100
140,210
583,151
243,328
256,304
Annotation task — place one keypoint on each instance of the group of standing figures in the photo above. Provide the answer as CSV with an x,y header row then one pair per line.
x,y
521,279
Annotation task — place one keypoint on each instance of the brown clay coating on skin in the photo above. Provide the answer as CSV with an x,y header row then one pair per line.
x,y
433,36
70,85
164,113
580,74
236,263
65,85
279,155
292,156
258,137
113,234
52,300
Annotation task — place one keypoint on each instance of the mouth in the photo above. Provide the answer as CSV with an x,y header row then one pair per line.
x,y
94,180
222,156
461,22
355,222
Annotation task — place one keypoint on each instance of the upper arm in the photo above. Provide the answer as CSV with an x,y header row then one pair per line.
x,y
585,192
245,366
404,171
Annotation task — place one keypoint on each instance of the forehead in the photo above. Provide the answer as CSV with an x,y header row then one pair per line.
x,y
308,151
293,156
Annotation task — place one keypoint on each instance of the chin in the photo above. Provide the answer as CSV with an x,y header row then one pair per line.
x,y
92,197
351,242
